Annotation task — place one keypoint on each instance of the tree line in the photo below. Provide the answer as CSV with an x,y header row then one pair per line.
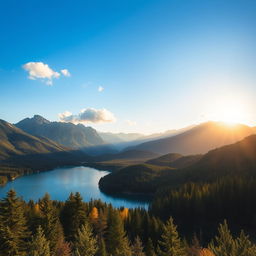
x,y
77,228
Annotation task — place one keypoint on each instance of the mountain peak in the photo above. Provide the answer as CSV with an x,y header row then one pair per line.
x,y
40,120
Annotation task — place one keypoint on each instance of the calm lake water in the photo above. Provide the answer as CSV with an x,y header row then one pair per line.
x,y
59,183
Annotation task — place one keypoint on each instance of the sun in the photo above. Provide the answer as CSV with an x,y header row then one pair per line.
x,y
230,111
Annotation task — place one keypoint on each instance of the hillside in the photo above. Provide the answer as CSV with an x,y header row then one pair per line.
x,y
14,141
175,160
198,140
235,160
120,160
140,178
67,134
22,153
164,160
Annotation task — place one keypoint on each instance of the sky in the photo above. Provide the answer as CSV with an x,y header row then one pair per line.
x,y
128,65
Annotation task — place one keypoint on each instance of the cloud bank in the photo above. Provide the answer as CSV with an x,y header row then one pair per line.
x,y
88,115
40,70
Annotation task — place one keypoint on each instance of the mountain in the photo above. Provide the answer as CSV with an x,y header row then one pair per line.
x,y
14,141
121,141
114,138
22,153
67,134
238,159
198,140
235,160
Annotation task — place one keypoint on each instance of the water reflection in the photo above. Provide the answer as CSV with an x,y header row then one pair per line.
x,y
59,183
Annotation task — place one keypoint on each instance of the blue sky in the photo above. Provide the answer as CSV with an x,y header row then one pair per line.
x,y
161,64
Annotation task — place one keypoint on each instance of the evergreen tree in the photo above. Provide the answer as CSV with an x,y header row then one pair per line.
x,y
50,222
102,248
224,243
171,244
13,226
101,224
244,247
85,243
73,215
150,250
117,242
39,246
137,247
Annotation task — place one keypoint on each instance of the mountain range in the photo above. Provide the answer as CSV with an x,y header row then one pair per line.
x,y
67,134
199,139
14,141
234,160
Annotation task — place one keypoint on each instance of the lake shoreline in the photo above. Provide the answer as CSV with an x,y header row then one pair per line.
x,y
61,181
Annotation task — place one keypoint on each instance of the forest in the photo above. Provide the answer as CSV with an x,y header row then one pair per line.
x,y
74,227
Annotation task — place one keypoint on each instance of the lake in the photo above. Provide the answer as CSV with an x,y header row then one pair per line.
x,y
60,182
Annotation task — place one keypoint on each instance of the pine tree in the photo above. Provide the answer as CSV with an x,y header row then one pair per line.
x,y
150,250
85,243
39,246
137,247
102,248
50,222
73,216
13,226
171,244
117,242
101,224
244,247
224,243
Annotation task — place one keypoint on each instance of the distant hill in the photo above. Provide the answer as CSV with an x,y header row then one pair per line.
x,y
141,178
175,160
67,134
235,160
198,140
14,141
114,138
165,160
122,141
113,162
129,154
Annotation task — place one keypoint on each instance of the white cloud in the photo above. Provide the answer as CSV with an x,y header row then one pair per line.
x,y
40,70
130,123
100,89
88,115
65,116
65,72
